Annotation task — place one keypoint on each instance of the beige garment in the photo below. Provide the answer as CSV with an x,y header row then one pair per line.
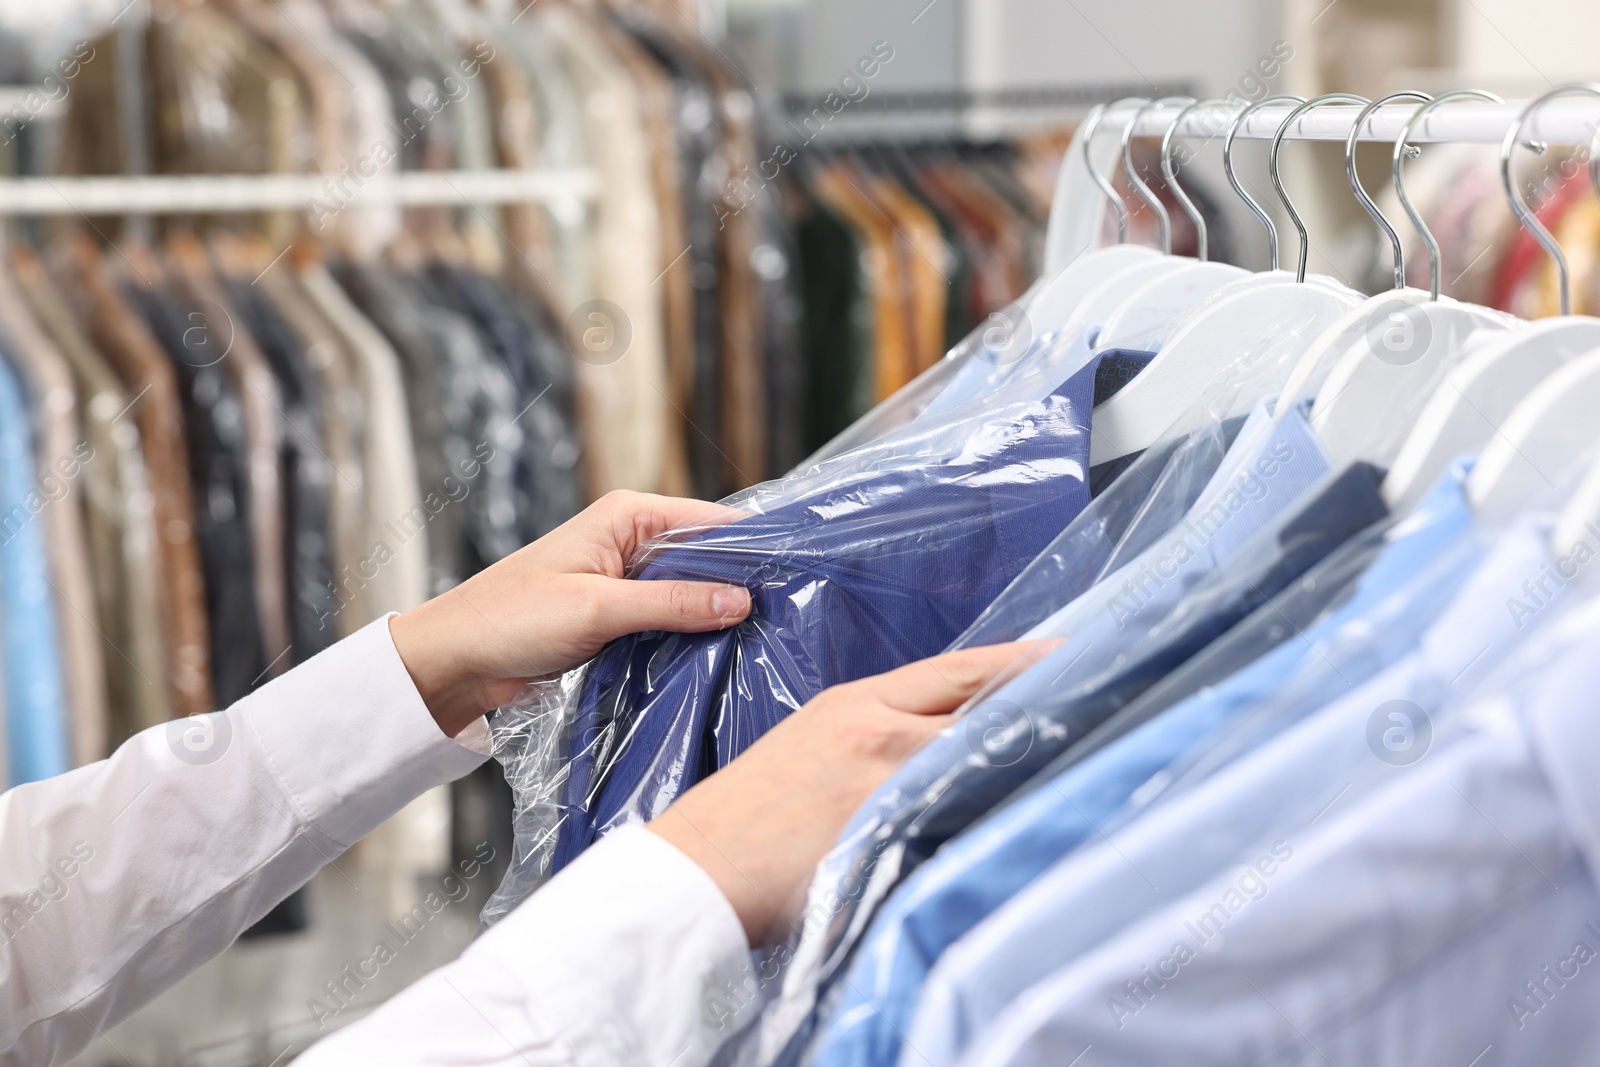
x,y
120,511
350,118
396,523
343,417
61,454
263,425
658,106
622,402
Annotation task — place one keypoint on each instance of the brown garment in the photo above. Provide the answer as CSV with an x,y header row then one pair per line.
x,y
744,375
147,373
922,256
61,454
258,394
121,518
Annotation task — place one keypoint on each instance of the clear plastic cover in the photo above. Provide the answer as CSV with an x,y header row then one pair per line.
x,y
1188,492
857,564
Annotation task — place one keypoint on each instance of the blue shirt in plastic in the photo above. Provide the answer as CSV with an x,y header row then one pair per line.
x,y
1036,715
862,575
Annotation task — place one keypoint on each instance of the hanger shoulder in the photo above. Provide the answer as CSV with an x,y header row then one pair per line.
x,y
1058,298
1364,409
1478,396
1146,316
1543,442
1331,346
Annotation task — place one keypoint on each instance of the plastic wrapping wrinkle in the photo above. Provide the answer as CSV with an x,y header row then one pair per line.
x,y
856,565
1275,789
1058,713
1418,568
912,811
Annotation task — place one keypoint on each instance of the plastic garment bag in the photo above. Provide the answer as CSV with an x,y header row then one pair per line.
x,y
1064,804
856,565
1270,465
1267,796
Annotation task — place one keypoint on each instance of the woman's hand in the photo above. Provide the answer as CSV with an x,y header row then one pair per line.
x,y
554,604
759,825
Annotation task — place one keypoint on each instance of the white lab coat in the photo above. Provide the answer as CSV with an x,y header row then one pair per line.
x,y
118,878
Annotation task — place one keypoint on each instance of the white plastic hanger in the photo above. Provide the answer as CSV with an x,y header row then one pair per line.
x,y
1375,390
1462,416
1227,341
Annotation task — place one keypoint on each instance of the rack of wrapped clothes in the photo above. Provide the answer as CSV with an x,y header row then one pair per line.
x,y
1298,770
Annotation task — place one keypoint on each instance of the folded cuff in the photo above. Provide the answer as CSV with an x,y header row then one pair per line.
x,y
660,968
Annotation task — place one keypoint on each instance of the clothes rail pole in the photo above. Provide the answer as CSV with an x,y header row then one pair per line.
x,y
158,194
1563,122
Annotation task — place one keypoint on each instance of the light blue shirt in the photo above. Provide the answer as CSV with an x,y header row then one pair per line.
x,y
35,706
1259,807
1451,917
1271,464
981,869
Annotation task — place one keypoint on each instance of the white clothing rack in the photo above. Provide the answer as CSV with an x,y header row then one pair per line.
x,y
158,194
1572,121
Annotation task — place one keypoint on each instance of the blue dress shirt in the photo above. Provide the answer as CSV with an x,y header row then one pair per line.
x,y
863,574
1267,801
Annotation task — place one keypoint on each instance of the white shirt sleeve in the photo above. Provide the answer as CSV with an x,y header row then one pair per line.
x,y
630,957
118,878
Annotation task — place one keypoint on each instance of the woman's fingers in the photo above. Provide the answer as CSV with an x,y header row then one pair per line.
x,y
941,684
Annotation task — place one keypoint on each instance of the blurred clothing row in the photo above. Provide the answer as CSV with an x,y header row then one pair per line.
x,y
218,463
904,249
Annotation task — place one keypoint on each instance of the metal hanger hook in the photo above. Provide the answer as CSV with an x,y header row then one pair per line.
x,y
1399,158
1090,126
1360,190
1277,180
1169,171
1519,206
1233,180
1139,185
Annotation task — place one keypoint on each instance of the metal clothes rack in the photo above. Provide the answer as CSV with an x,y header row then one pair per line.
x,y
167,194
1571,121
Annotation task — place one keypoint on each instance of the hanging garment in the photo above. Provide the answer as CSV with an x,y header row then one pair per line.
x,y
1062,806
218,466
343,420
148,376
215,331
307,476
62,453
1303,771
38,743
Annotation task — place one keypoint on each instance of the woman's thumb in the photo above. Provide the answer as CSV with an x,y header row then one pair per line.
x,y
684,607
